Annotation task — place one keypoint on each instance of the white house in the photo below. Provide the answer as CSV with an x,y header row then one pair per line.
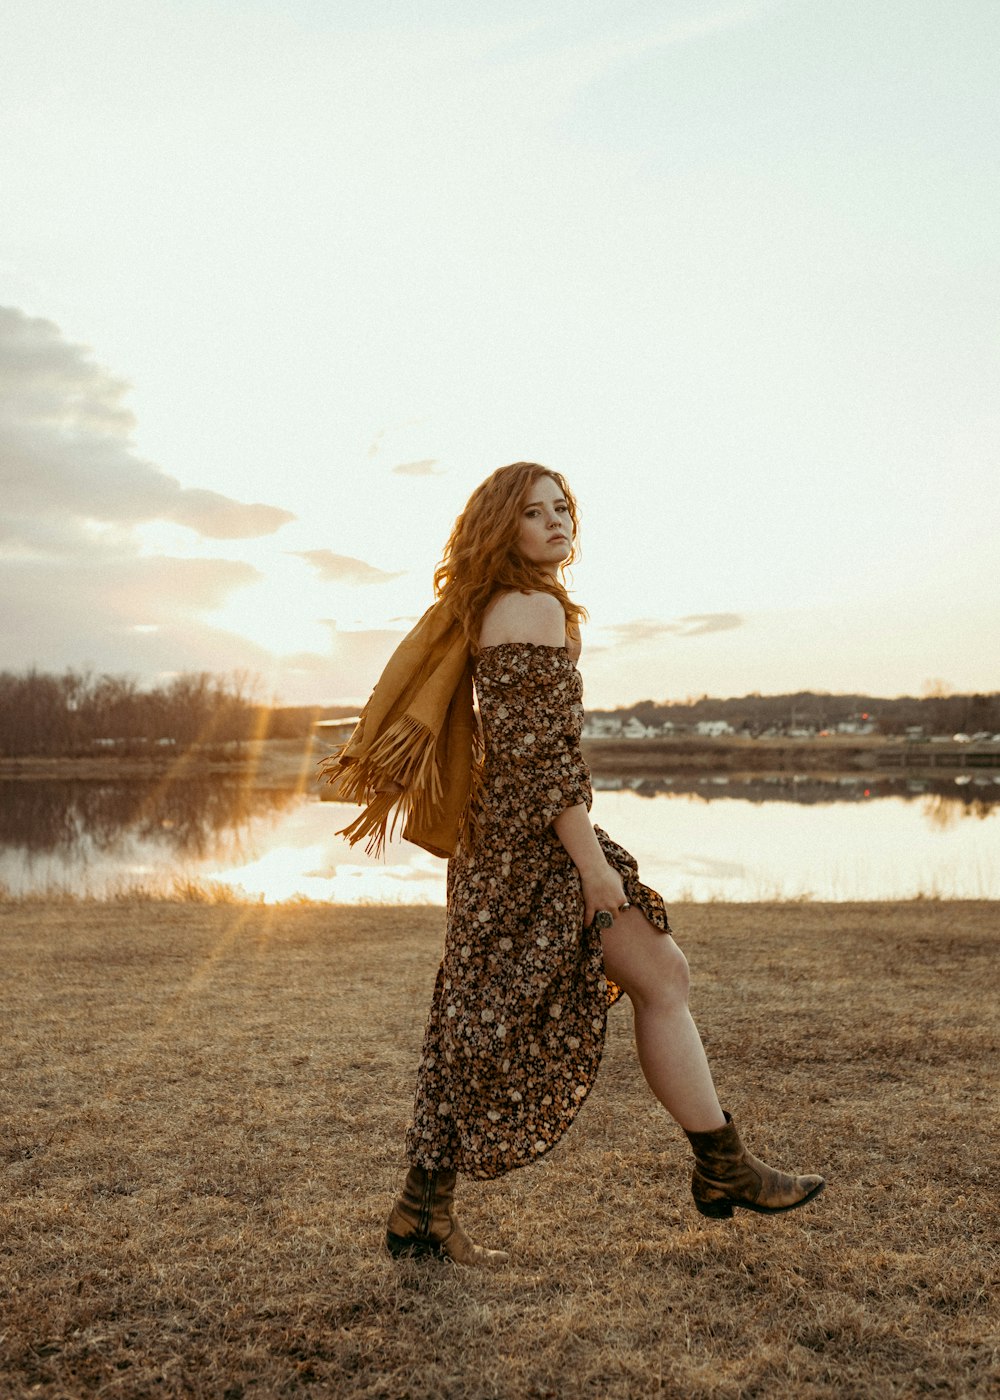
x,y
602,727
635,729
713,728
856,726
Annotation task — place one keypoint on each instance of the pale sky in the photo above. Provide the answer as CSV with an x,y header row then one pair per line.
x,y
281,282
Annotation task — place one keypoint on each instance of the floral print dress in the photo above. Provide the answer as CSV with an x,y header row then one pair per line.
x,y
517,1021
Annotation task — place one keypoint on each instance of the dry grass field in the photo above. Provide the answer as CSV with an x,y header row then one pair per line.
x,y
202,1107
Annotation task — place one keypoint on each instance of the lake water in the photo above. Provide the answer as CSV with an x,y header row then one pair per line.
x,y
791,837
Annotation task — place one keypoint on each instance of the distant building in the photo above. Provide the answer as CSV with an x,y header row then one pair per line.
x,y
713,728
635,729
336,731
602,727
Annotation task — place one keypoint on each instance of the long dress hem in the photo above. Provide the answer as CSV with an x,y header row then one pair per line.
x,y
518,1018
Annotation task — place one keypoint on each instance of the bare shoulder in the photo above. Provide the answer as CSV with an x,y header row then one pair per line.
x,y
524,617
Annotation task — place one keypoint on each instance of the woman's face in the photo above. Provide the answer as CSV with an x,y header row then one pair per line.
x,y
545,530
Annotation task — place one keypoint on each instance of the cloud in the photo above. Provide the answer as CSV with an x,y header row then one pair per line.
x,y
76,587
644,630
425,467
220,518
120,613
342,568
66,449
698,624
640,631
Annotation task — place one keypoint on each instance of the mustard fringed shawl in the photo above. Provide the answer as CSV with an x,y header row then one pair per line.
x,y
419,730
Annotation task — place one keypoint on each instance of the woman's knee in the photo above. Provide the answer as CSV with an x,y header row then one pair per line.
x,y
654,970
671,980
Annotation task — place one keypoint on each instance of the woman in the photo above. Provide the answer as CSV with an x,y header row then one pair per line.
x,y
548,922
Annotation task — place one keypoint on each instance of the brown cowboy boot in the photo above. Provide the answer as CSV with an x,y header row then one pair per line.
x,y
423,1222
727,1175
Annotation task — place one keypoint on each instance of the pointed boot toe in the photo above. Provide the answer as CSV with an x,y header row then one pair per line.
x,y
727,1176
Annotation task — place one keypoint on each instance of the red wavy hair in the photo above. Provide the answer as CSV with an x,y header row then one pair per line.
x,y
481,558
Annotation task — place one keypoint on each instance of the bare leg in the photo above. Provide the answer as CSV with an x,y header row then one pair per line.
x,y
653,972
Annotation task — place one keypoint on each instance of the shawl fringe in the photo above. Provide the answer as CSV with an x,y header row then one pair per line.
x,y
414,756
405,754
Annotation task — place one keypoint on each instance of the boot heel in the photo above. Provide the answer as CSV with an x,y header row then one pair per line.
x,y
716,1210
422,1223
727,1175
403,1247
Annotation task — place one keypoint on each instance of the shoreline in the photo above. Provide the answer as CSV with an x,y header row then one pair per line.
x,y
840,755
286,763
294,762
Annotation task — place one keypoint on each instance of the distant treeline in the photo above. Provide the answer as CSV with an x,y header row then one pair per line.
x,y
936,714
48,715
44,715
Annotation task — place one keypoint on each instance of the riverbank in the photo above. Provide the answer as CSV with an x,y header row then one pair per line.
x,y
203,1108
262,763
293,763
836,754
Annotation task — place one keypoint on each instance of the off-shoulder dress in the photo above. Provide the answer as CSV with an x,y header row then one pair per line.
x,y
517,1021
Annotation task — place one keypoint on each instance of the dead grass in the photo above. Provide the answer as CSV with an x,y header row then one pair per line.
x,y
201,1113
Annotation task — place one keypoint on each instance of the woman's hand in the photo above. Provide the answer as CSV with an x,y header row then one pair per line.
x,y
602,889
602,885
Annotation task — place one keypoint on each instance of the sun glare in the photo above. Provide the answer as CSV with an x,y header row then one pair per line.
x,y
305,872
276,613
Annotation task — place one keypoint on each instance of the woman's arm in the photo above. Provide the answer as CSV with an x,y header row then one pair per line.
x,y
538,618
602,886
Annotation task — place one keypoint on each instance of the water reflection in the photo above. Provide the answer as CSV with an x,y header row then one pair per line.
x,y
185,818
86,836
943,811
709,836
865,848
965,795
